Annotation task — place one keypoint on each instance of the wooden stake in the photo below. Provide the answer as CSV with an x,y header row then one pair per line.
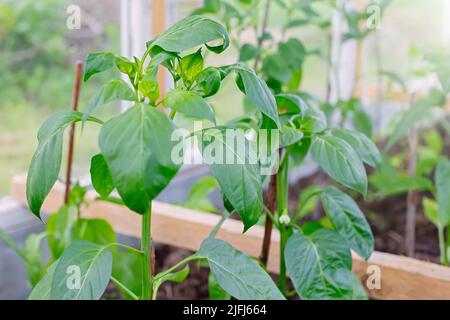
x,y
411,202
76,94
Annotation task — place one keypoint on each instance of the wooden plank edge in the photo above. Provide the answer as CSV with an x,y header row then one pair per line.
x,y
400,277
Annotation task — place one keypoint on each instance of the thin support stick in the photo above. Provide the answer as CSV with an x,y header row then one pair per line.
x,y
263,31
76,94
271,202
411,202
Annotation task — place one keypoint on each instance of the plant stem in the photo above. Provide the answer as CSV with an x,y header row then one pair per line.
x,y
76,94
120,285
282,206
442,246
146,247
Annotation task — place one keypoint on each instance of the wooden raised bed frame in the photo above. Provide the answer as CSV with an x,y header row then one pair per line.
x,y
401,277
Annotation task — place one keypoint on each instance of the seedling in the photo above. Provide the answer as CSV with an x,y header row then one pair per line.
x,y
138,158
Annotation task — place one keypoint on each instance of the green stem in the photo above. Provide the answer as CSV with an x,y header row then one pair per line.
x,y
282,206
146,247
121,286
442,246
177,266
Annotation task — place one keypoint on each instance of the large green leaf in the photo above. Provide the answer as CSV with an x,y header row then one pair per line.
x,y
190,104
239,177
192,32
238,274
314,264
348,220
100,176
364,147
116,89
46,162
137,147
338,159
257,92
43,288
83,272
442,178
98,62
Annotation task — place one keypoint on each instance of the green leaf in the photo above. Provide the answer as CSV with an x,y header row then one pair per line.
x,y
257,92
348,221
431,210
100,176
11,243
137,147
199,195
149,87
313,263
32,250
362,145
248,52
190,33
239,275
114,90
127,268
290,103
189,104
97,62
82,273
289,136
46,162
293,53
43,288
307,201
208,82
276,67
215,290
314,120
97,231
337,158
239,177
416,113
389,184
190,67
59,230
442,179
362,122
176,277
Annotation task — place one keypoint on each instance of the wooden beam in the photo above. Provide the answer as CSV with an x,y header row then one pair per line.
x,y
158,20
401,277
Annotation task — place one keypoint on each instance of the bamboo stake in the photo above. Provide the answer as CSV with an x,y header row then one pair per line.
x,y
411,202
76,94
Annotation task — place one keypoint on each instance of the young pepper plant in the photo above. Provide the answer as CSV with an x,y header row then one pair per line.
x,y
136,159
317,258
438,211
